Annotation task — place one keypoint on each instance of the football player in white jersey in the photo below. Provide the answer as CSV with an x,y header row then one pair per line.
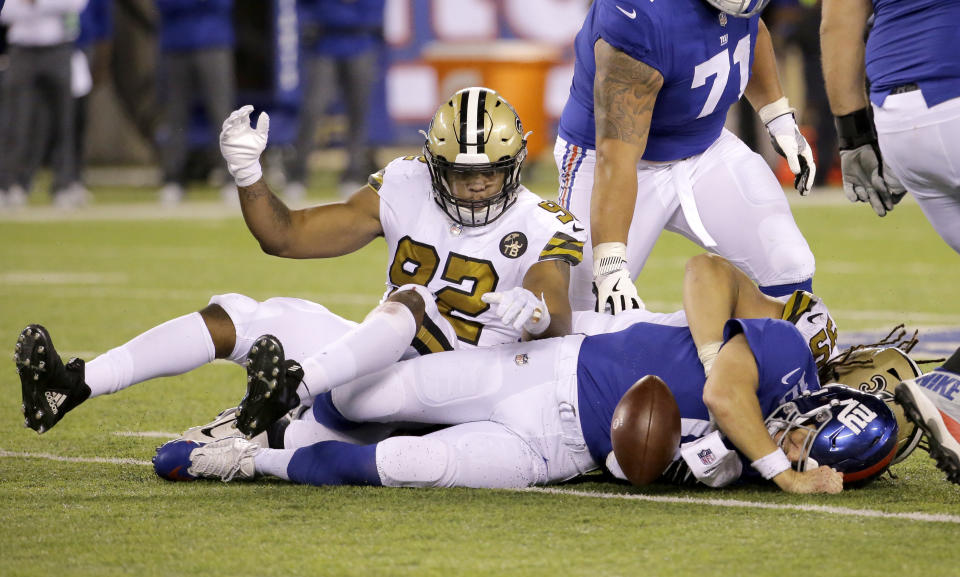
x,y
475,259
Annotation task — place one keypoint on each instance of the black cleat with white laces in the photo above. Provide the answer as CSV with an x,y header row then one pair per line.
x,y
272,383
50,388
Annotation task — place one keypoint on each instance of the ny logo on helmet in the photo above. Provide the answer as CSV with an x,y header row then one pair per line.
x,y
855,416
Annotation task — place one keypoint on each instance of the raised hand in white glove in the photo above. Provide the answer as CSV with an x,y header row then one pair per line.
x,y
789,143
612,284
867,179
241,145
519,308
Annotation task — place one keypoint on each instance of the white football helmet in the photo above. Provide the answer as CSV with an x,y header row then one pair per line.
x,y
475,131
739,8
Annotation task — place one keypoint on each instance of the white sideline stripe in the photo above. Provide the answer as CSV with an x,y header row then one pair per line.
x,y
111,461
147,434
923,517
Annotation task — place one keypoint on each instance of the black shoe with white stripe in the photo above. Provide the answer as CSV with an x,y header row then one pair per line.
x,y
50,388
272,383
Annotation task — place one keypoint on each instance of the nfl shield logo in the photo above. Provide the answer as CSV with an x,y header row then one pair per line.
x,y
706,457
521,359
723,19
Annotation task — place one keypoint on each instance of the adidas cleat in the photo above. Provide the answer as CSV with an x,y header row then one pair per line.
x,y
226,459
940,430
222,427
272,385
50,389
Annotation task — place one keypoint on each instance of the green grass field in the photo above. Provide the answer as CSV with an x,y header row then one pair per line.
x,y
82,499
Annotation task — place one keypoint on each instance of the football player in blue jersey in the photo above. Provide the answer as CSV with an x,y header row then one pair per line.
x,y
540,412
642,148
537,413
913,68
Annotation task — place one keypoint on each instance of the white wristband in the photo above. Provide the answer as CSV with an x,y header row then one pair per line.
x,y
608,257
775,109
708,353
772,465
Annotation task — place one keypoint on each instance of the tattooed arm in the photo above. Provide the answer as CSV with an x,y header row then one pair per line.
x,y
624,93
321,231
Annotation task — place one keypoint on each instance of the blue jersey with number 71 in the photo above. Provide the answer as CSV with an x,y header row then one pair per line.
x,y
704,57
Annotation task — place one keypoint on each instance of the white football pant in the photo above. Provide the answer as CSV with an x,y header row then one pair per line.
x,y
732,199
922,147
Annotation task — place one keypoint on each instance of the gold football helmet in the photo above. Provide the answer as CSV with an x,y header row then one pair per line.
x,y
878,370
475,133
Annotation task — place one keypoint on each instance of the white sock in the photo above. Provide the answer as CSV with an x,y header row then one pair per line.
x,y
173,348
273,462
376,343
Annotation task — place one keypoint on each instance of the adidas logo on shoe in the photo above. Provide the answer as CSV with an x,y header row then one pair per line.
x,y
54,400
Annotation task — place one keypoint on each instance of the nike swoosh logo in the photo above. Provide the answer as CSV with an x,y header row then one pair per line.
x,y
208,431
631,14
787,376
616,285
578,228
814,317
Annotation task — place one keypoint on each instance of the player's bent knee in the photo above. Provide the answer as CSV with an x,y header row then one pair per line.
x,y
237,306
411,300
413,462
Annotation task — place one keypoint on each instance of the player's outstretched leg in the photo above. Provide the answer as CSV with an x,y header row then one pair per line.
x,y
919,398
50,388
271,386
226,459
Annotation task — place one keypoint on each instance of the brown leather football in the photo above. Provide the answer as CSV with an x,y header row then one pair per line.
x,y
645,430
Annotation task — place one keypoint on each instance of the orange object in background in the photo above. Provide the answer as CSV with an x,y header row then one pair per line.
x,y
782,170
514,68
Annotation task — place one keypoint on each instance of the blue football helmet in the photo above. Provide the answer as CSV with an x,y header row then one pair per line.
x,y
739,8
849,430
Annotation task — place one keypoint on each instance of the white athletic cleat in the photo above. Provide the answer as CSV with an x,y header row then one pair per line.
x,y
226,459
223,426
925,403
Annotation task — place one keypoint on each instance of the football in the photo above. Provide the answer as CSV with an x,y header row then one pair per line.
x,y
645,430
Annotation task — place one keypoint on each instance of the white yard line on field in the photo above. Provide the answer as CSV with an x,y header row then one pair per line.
x,y
11,454
914,516
871,513
147,434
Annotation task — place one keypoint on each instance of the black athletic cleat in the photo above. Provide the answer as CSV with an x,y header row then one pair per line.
x,y
50,388
272,385
939,428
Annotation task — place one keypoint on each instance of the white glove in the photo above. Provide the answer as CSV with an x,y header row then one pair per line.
x,y
519,308
866,179
789,143
241,145
612,284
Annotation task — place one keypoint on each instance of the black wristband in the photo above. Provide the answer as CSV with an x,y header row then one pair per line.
x,y
855,129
